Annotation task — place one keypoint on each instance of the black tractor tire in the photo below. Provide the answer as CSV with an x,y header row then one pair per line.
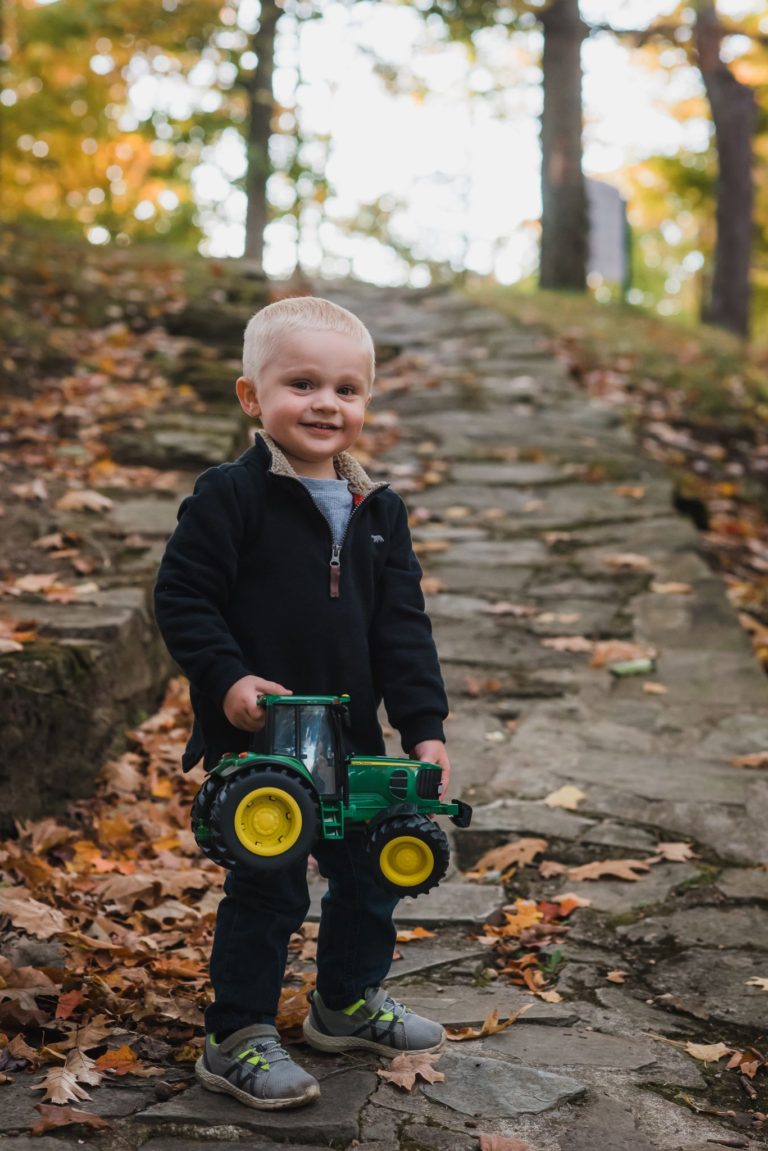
x,y
264,818
201,818
410,854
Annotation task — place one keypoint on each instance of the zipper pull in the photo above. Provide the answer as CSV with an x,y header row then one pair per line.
x,y
335,570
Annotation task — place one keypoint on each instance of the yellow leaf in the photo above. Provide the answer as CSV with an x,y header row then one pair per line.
x,y
708,1052
567,796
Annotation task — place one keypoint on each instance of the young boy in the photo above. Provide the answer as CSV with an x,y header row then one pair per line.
x,y
290,571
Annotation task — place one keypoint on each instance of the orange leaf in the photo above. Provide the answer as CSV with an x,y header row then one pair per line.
x,y
67,1003
616,868
491,1025
123,1061
407,935
519,853
54,1117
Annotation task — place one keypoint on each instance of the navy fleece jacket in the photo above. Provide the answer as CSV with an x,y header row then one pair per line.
x,y
244,588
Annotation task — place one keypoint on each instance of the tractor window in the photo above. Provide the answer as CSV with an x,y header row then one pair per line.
x,y
317,748
284,731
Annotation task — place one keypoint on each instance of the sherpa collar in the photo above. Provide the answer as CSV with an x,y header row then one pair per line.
x,y
347,468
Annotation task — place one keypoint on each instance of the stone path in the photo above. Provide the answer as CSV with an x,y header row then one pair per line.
x,y
532,492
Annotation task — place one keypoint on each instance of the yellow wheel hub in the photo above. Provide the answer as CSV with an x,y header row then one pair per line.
x,y
268,821
406,861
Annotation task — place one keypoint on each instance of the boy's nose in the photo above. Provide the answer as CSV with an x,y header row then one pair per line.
x,y
324,399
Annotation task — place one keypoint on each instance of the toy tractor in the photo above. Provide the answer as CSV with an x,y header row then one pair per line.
x,y
264,811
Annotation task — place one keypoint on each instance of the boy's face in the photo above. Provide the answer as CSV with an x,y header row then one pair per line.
x,y
311,397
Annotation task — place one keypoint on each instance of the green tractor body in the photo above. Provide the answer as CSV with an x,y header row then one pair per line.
x,y
264,810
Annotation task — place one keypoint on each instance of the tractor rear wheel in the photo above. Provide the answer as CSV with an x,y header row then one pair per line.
x,y
264,818
201,823
410,853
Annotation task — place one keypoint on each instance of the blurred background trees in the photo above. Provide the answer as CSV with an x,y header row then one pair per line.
x,y
229,125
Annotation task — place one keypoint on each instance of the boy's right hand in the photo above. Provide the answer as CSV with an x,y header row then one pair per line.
x,y
241,703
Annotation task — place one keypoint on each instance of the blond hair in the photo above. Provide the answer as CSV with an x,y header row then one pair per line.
x,y
299,313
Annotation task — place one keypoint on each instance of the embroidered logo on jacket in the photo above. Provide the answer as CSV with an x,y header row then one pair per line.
x,y
377,539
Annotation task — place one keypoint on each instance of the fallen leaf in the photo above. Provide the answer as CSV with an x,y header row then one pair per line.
x,y
504,607
30,915
616,976
631,491
629,561
568,797
491,1025
83,1068
405,1069
618,651
675,852
671,588
757,981
501,1143
68,1003
708,1052
748,1062
84,501
758,759
409,934
651,688
616,868
569,902
432,586
518,853
121,1061
549,868
60,1086
54,1117
570,643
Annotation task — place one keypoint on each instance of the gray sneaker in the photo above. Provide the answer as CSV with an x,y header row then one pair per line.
x,y
377,1022
252,1066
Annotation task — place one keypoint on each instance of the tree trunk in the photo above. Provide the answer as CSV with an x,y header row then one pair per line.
x,y
260,105
564,222
734,114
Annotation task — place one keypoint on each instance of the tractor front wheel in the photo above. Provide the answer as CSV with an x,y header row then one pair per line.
x,y
410,852
264,818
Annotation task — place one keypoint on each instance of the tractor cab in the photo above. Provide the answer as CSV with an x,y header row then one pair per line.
x,y
310,728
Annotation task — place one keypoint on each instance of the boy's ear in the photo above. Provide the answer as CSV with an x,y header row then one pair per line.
x,y
246,394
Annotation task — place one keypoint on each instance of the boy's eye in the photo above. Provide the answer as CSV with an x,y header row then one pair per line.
x,y
347,390
302,385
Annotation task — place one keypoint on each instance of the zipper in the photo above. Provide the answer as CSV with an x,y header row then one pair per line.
x,y
335,561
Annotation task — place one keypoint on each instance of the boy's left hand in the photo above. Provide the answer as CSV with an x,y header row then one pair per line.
x,y
433,751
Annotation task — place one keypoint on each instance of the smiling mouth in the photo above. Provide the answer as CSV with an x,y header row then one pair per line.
x,y
323,427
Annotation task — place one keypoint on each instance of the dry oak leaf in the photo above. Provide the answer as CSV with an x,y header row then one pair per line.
x,y
54,1117
83,1068
501,1143
518,853
61,1086
85,500
708,1052
748,1062
652,688
571,643
405,1069
675,852
757,981
430,585
36,918
616,868
758,759
549,868
671,588
629,561
618,650
616,976
491,1025
569,902
568,797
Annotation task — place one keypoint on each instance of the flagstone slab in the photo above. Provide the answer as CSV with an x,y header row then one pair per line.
x,y
703,927
716,981
463,1006
495,1089
147,515
333,1118
449,902
517,817
617,895
432,955
210,1145
18,1103
571,1047
743,883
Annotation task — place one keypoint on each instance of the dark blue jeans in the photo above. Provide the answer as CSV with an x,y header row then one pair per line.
x,y
258,914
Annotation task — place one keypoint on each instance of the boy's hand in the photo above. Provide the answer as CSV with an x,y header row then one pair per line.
x,y
241,703
433,751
